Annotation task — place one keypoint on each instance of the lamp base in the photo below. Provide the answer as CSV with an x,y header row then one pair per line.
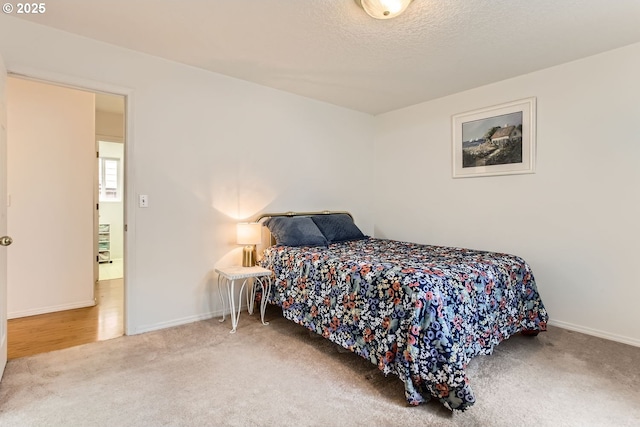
x,y
249,256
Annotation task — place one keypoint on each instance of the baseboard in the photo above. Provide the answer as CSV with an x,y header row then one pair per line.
x,y
176,322
559,324
595,333
50,309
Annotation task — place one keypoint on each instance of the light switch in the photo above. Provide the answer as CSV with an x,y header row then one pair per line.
x,y
143,201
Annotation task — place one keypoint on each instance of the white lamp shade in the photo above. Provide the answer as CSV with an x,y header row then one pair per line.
x,y
249,233
384,9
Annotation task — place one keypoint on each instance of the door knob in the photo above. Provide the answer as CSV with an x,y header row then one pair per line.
x,y
6,240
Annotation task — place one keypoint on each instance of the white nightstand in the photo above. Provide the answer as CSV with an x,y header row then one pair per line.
x,y
233,273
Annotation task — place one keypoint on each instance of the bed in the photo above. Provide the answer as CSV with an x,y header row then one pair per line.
x,y
417,311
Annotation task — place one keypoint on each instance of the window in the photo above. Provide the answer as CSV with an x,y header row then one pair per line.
x,y
109,186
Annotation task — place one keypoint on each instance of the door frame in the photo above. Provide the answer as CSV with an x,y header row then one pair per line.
x,y
87,85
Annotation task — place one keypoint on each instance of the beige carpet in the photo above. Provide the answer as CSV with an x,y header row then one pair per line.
x,y
280,375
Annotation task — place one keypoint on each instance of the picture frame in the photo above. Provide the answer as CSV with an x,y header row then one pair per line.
x,y
497,140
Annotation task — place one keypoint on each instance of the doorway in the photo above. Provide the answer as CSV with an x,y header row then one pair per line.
x,y
95,309
110,146
110,218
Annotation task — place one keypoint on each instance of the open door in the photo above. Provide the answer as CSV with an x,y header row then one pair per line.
x,y
4,240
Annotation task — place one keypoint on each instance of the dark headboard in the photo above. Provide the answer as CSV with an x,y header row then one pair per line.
x,y
269,215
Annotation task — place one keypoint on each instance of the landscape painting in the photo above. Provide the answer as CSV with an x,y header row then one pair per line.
x,y
493,141
499,140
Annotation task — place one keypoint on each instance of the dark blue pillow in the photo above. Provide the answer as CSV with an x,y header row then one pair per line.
x,y
338,227
295,231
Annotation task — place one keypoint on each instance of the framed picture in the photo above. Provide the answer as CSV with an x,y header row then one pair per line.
x,y
498,140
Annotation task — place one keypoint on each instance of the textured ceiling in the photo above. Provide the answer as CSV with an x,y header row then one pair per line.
x,y
332,51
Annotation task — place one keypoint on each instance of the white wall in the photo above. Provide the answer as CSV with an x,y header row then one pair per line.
x,y
208,150
575,220
51,148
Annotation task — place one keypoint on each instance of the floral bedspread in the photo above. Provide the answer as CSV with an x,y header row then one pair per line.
x,y
420,312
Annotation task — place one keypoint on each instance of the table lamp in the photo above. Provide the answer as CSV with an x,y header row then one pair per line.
x,y
249,234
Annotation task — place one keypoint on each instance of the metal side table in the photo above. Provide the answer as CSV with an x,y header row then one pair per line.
x,y
229,275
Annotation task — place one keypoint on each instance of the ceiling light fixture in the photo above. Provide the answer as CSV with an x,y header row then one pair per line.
x,y
384,9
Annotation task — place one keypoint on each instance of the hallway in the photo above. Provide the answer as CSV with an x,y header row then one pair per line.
x,y
54,331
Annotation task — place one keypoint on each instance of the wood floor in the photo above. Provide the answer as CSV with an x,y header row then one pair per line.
x,y
69,328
